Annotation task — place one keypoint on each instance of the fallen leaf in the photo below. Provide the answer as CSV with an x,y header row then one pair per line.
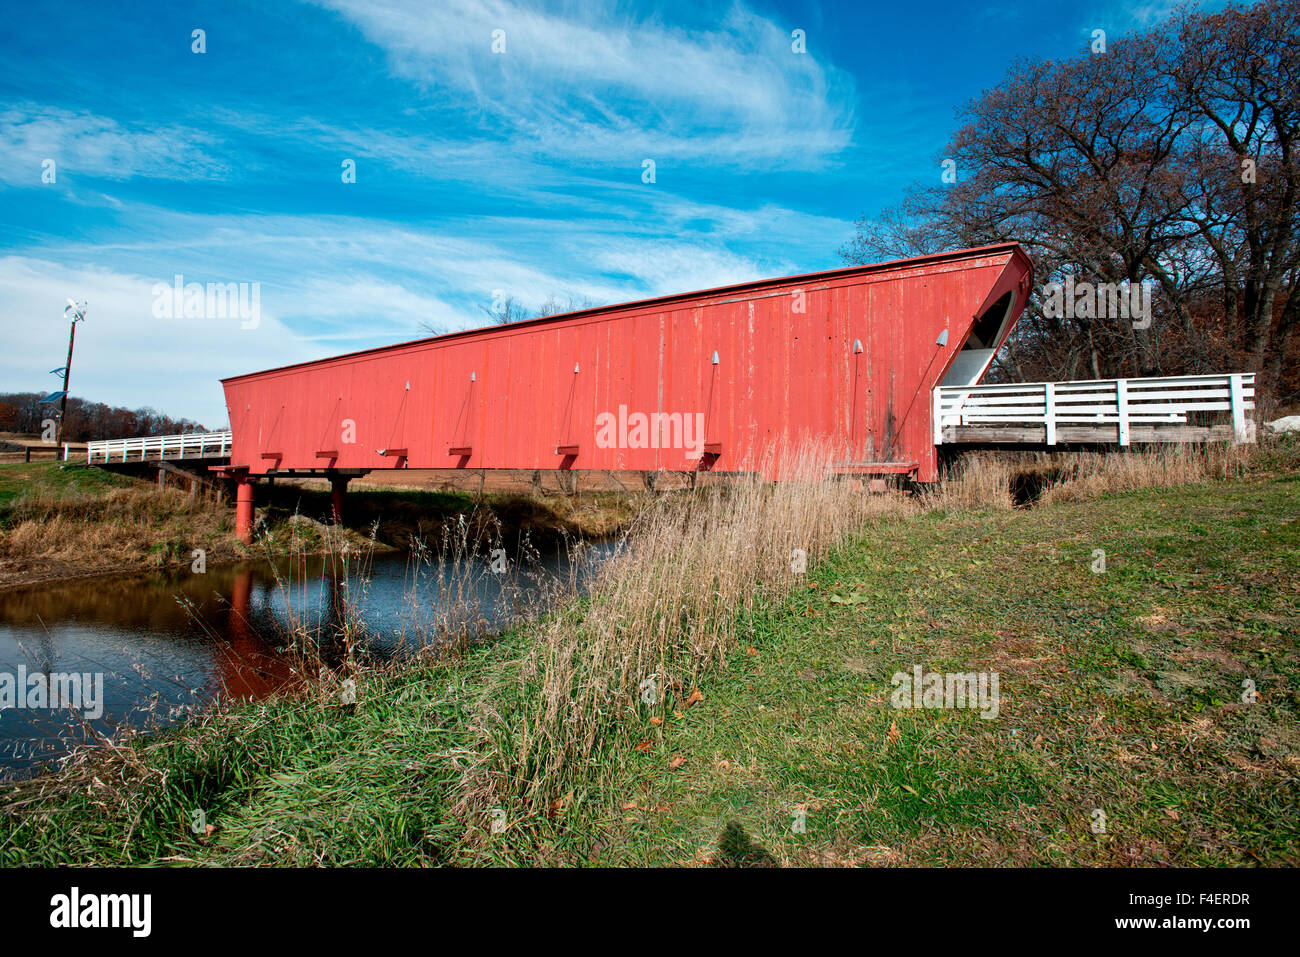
x,y
629,806
695,698
645,745
656,721
676,763
1172,813
893,731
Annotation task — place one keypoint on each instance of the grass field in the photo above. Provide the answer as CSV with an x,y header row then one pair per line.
x,y
1122,699
1121,692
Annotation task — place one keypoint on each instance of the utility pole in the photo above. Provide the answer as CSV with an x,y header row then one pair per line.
x,y
78,313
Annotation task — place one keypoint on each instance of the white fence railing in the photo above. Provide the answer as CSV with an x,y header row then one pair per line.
x,y
192,446
1118,402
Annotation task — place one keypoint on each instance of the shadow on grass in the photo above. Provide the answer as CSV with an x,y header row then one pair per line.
x,y
736,849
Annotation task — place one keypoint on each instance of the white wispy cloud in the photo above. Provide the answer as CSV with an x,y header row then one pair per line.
x,y
86,143
124,355
514,174
607,86
332,284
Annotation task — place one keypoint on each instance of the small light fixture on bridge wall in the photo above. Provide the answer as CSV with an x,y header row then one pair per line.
x,y
943,338
575,368
857,346
471,377
715,357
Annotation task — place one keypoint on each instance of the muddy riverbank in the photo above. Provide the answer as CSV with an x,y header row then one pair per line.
x,y
63,522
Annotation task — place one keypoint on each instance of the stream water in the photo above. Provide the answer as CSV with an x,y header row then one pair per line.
x,y
146,649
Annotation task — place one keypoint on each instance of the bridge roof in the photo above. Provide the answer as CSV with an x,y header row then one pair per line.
x,y
753,286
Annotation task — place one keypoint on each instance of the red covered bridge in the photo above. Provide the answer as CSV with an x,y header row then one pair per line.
x,y
880,363
704,380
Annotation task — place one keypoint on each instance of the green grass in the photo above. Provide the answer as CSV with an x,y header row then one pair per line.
x,y
302,781
56,478
1120,692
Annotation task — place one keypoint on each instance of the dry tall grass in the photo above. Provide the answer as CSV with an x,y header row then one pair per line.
x,y
454,592
1087,475
671,603
104,529
978,480
457,592
1001,480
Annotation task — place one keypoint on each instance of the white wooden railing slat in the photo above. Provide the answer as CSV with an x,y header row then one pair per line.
x,y
203,444
1119,402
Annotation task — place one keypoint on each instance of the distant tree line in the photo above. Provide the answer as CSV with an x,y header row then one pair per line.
x,y
24,412
1166,158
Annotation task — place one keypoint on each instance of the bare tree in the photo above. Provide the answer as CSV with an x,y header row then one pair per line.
x,y
1126,166
1238,73
558,305
508,310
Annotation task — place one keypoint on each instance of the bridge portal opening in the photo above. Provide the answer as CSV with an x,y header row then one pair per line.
x,y
977,351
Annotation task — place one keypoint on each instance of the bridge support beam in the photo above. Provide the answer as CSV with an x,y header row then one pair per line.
x,y
244,509
338,488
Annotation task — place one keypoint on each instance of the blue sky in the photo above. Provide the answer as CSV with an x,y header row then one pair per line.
x,y
476,171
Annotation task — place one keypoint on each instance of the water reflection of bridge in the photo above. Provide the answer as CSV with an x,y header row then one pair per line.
x,y
251,668
148,612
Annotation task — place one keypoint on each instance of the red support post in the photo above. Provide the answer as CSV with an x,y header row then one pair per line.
x,y
338,487
244,509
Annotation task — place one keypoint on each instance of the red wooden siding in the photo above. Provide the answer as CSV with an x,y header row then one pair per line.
x,y
782,375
